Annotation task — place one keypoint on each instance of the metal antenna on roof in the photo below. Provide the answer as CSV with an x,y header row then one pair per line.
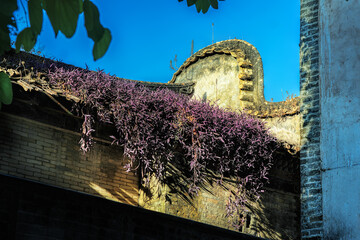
x,y
192,47
212,33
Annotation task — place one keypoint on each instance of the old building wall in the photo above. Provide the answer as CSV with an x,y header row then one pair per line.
x,y
215,80
275,216
285,129
340,117
41,152
229,74
329,65
310,161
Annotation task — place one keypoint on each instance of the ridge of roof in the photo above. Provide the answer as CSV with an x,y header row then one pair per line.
x,y
30,72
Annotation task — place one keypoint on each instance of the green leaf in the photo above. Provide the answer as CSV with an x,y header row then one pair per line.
x,y
100,35
6,94
63,15
101,46
198,5
52,13
8,7
93,26
191,2
26,38
205,5
214,4
35,15
4,41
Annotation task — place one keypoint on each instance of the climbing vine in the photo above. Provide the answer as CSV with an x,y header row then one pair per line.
x,y
155,127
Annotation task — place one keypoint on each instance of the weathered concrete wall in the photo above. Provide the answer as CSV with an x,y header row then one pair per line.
x,y
286,128
229,72
340,117
215,77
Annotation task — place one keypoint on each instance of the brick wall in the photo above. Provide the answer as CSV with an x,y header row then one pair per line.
x,y
44,153
275,216
310,162
30,210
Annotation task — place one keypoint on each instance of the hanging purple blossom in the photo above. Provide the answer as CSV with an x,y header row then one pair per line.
x,y
86,140
154,127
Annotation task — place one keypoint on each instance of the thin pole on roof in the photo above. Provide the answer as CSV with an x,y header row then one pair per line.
x,y
192,47
212,33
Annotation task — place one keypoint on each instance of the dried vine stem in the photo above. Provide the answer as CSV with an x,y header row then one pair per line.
x,y
58,103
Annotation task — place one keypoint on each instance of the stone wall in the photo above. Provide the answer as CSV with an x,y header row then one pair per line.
x,y
214,80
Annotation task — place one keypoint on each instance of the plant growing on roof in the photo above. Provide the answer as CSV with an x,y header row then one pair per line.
x,y
63,15
155,127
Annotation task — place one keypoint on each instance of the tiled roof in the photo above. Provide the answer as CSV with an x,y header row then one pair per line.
x,y
30,72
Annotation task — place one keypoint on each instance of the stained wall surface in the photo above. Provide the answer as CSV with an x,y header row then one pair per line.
x,y
340,117
215,80
44,153
229,74
275,216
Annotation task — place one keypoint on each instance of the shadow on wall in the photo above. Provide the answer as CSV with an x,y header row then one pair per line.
x,y
119,196
275,216
114,182
310,127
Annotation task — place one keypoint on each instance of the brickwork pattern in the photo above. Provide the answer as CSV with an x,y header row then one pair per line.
x,y
275,216
310,162
43,153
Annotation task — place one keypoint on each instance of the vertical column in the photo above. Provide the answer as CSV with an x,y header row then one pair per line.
x,y
310,160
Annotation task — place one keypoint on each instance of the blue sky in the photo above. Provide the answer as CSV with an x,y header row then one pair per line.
x,y
146,35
